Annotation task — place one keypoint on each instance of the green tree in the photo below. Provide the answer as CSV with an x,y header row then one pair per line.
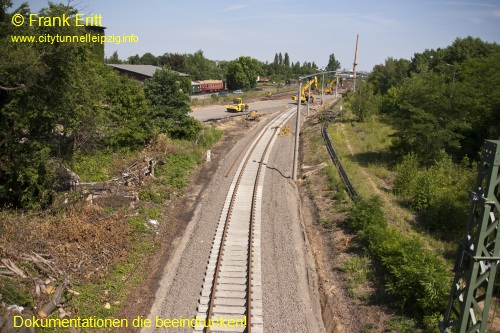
x,y
114,59
429,116
134,60
477,83
202,68
149,59
333,64
170,106
127,116
286,61
363,102
185,85
174,61
242,73
391,74
53,112
467,48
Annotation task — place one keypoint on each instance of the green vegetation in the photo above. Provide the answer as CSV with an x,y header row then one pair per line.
x,y
358,272
240,73
60,104
419,129
418,281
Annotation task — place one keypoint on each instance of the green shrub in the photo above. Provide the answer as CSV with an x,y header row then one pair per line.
x,y
365,213
150,195
93,167
399,324
15,293
415,277
357,269
209,137
326,223
138,224
439,192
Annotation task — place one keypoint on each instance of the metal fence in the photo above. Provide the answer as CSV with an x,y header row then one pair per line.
x,y
343,175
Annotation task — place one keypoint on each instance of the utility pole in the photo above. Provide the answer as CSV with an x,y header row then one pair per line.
x,y
297,129
336,85
297,125
479,253
322,85
308,100
355,62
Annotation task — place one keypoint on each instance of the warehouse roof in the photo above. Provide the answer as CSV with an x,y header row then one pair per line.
x,y
143,70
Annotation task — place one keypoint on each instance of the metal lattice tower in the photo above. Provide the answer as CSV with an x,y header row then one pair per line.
x,y
479,253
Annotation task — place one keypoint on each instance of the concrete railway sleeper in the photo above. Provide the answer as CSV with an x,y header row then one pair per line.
x,y
232,287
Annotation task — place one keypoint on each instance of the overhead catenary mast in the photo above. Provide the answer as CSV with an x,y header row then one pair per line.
x,y
355,62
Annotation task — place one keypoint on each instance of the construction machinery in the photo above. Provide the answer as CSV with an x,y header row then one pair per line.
x,y
252,116
331,86
303,97
238,106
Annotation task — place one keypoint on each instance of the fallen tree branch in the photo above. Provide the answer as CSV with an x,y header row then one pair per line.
x,y
56,300
9,264
43,264
12,88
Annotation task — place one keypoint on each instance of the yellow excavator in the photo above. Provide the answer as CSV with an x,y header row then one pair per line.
x,y
303,97
238,106
331,86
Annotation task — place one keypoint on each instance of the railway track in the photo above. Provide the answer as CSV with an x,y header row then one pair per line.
x,y
232,288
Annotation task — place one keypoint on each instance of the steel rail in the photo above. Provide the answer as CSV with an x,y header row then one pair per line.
x,y
207,304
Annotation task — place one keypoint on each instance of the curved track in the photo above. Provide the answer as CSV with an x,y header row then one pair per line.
x,y
232,285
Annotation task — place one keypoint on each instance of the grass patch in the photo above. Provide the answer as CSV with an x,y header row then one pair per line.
x,y
400,324
14,293
209,137
358,272
326,223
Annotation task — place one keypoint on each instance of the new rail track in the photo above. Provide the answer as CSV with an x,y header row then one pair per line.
x,y
232,287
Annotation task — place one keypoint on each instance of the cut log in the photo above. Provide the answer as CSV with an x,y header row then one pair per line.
x,y
56,300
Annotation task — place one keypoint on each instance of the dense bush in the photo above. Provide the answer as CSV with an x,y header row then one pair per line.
x,y
416,279
439,192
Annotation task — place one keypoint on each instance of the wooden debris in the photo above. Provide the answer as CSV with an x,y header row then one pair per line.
x,y
56,300
9,264
44,265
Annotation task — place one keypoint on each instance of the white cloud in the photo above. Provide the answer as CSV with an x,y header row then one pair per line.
x,y
234,7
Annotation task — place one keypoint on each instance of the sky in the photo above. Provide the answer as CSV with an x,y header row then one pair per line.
x,y
306,30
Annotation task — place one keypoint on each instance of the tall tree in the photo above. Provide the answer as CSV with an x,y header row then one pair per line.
x,y
114,59
202,68
242,73
170,106
174,61
429,117
363,102
149,59
333,64
287,60
53,111
391,74
280,59
134,60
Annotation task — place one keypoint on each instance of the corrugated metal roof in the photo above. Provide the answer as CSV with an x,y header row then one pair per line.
x,y
147,70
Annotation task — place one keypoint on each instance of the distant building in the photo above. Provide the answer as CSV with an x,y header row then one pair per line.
x,y
262,79
140,72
